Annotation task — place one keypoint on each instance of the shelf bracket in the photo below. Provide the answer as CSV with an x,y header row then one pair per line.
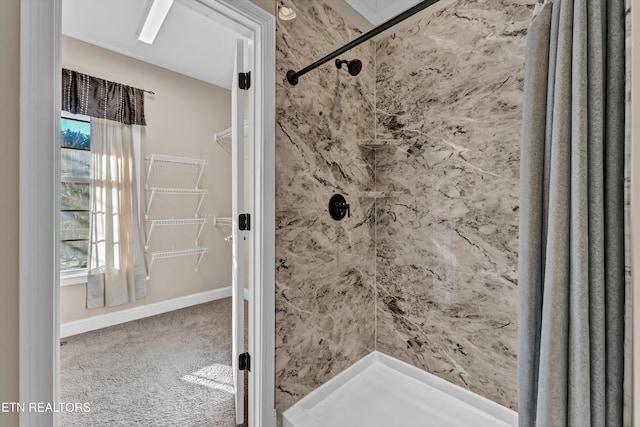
x,y
146,245
146,183
200,228
153,193
199,204
151,264
199,176
200,256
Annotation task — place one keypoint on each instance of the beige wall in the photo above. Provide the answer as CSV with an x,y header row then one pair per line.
x,y
268,5
182,117
9,76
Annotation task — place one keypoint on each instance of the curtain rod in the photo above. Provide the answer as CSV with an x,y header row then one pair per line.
x,y
292,76
144,90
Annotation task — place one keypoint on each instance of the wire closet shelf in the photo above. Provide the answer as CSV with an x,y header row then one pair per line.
x,y
199,221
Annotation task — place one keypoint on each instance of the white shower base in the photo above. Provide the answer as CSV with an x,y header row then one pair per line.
x,y
382,391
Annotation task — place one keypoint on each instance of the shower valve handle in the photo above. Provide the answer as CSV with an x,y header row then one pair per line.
x,y
338,207
344,207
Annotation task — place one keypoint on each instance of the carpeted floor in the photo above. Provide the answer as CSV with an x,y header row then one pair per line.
x,y
173,369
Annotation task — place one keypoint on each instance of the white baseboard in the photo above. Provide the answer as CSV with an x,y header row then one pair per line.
x,y
105,320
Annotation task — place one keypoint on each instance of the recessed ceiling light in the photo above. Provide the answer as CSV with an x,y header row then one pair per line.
x,y
155,18
286,13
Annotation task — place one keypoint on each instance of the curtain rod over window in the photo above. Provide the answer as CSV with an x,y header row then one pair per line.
x,y
292,76
96,97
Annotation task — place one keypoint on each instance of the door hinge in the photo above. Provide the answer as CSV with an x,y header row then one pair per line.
x,y
244,362
244,80
244,222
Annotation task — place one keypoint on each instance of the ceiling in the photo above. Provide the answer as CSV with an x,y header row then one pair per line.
x,y
188,42
379,11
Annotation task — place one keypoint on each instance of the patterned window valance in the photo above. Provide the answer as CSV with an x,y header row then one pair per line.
x,y
84,94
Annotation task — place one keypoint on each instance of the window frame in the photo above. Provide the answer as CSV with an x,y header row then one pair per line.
x,y
79,275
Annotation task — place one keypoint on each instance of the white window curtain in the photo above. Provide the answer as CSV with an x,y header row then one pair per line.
x,y
117,273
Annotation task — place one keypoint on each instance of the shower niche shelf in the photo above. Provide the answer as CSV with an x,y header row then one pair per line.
x,y
378,144
168,177
371,148
380,194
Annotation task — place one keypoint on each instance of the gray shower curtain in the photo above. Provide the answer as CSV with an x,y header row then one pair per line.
x,y
571,248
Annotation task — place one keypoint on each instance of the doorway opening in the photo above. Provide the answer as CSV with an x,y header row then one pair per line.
x,y
36,308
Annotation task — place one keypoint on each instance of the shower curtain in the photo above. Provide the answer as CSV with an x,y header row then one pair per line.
x,y
571,247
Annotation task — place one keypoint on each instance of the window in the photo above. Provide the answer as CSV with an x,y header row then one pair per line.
x,y
75,183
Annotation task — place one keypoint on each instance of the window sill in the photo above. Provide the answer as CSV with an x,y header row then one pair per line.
x,y
76,277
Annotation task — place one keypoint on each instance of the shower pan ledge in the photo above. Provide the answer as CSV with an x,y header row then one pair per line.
x,y
379,390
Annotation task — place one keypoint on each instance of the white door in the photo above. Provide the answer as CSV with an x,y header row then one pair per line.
x,y
237,194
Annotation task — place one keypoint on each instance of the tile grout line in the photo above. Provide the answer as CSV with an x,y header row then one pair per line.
x,y
375,202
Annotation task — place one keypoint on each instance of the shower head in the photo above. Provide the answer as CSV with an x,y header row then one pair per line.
x,y
354,66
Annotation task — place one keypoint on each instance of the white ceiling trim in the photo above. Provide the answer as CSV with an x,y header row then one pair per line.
x,y
379,11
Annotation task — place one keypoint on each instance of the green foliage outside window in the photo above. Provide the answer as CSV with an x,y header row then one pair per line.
x,y
75,138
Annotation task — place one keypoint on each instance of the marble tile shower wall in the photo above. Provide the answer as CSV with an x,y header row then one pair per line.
x,y
448,104
424,144
325,269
